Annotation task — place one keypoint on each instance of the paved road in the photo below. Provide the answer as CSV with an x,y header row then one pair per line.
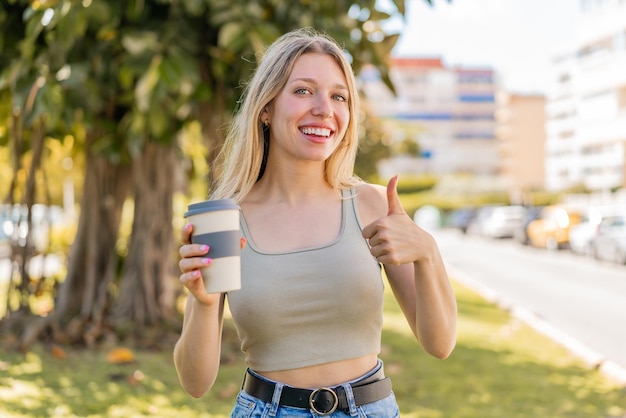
x,y
580,301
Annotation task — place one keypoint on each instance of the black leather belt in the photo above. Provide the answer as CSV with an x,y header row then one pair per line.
x,y
322,401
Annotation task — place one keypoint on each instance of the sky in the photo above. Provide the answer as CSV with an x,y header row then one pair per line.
x,y
517,38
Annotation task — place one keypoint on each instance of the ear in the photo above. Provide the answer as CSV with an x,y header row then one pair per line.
x,y
265,115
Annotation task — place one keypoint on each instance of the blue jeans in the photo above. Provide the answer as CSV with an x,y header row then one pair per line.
x,y
247,406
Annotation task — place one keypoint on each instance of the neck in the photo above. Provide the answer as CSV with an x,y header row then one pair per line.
x,y
289,185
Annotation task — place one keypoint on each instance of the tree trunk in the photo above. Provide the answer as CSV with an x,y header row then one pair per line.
x,y
84,297
15,136
146,291
212,117
22,252
22,255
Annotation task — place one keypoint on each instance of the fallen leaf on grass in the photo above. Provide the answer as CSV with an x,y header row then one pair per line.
x,y
58,352
120,355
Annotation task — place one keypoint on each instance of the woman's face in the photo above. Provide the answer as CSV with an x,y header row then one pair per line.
x,y
309,117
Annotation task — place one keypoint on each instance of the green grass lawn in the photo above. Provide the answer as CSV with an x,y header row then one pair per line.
x,y
501,368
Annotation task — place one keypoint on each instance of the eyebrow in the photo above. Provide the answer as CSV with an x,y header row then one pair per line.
x,y
314,82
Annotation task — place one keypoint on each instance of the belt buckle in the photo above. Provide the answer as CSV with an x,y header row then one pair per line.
x,y
325,411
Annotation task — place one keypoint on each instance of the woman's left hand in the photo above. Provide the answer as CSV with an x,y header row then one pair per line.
x,y
396,238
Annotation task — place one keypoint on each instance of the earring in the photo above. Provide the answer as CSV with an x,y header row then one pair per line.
x,y
266,123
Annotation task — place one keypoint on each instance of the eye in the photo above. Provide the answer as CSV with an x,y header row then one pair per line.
x,y
340,98
302,91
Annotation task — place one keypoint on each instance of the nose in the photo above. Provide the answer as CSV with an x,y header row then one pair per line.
x,y
323,107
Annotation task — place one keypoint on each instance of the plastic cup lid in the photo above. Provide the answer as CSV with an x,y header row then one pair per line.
x,y
211,205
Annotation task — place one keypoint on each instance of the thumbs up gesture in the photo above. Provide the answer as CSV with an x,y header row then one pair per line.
x,y
395,238
393,200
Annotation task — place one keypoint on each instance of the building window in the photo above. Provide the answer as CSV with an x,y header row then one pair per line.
x,y
564,78
621,97
481,98
619,41
476,78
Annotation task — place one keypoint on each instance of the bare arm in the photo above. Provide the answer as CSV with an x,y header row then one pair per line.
x,y
425,295
416,273
197,352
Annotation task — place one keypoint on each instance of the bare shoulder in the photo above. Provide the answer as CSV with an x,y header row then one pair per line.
x,y
372,202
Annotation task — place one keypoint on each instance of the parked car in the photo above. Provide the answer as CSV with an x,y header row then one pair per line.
x,y
581,236
428,217
521,233
551,229
498,221
609,242
461,218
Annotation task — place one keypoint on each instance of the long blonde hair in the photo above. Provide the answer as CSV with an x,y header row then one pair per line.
x,y
241,160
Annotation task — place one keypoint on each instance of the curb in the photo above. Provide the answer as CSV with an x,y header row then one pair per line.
x,y
590,357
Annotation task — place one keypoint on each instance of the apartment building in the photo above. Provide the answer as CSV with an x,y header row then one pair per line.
x,y
522,139
586,105
448,112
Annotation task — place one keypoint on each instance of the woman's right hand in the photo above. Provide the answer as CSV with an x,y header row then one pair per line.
x,y
194,257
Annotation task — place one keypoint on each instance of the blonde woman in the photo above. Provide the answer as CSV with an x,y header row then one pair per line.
x,y
309,312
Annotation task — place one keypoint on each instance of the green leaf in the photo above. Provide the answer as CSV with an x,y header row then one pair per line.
x,y
379,15
146,84
158,121
223,12
170,72
101,14
231,34
194,7
70,29
400,5
125,76
179,71
9,75
138,43
51,103
390,42
73,76
262,35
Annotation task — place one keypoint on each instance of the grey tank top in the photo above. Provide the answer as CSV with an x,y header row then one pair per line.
x,y
312,306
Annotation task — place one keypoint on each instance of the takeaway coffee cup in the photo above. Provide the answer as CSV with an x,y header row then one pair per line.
x,y
216,224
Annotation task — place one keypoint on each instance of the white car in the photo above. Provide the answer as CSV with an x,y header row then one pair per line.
x,y
581,235
610,241
498,221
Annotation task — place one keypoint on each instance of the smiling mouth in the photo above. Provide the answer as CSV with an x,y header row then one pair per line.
x,y
321,132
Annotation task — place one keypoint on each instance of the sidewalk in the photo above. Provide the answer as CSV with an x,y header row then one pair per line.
x,y
592,358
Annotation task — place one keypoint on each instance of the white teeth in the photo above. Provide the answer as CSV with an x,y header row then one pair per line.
x,y
316,131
